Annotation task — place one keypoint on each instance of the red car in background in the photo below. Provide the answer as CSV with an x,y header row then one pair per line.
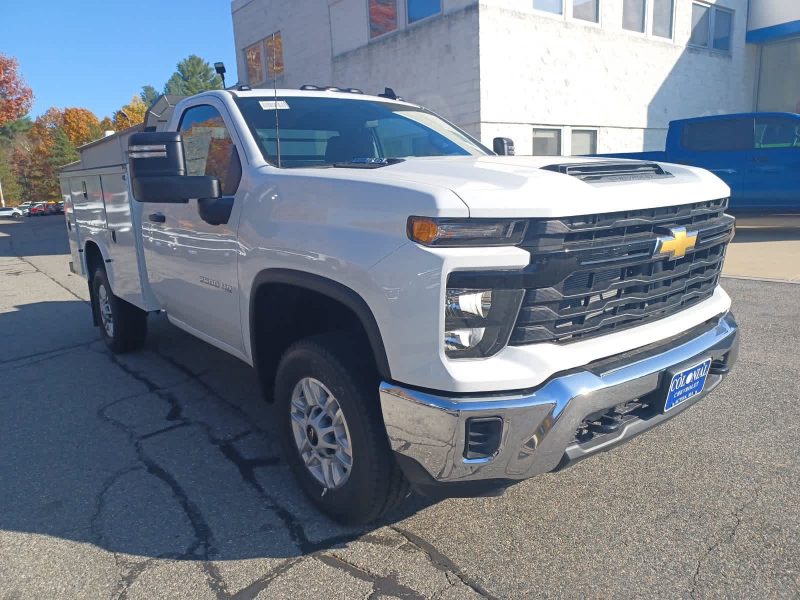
x,y
39,209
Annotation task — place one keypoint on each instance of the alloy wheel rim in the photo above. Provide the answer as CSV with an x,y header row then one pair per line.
x,y
104,301
320,433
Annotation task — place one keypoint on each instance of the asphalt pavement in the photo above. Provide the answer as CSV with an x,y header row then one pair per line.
x,y
155,475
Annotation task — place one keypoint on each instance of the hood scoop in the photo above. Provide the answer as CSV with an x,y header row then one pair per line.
x,y
609,171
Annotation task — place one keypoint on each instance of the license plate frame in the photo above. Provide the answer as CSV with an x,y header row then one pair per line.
x,y
686,384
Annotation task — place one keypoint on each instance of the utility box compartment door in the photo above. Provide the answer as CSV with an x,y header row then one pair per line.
x,y
121,238
73,234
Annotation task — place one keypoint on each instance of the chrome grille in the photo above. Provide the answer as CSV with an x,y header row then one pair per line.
x,y
596,274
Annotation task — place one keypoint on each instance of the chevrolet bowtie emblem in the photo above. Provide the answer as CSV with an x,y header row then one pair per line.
x,y
677,243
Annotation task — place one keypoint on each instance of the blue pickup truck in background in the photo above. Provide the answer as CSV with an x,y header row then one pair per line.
x,y
756,154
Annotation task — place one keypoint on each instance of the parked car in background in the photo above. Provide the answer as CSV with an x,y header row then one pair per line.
x,y
52,208
25,207
756,154
11,212
39,209
60,207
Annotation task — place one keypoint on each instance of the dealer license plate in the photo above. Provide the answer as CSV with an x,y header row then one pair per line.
x,y
687,384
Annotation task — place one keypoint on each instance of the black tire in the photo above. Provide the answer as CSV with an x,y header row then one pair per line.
x,y
128,324
375,484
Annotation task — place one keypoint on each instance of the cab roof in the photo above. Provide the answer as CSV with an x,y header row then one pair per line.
x,y
320,93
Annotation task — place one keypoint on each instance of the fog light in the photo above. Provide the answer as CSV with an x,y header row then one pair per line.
x,y
463,339
462,303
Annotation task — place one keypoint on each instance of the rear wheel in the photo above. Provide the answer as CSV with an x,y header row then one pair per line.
x,y
332,432
123,326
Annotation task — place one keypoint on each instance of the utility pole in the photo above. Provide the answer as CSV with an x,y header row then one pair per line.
x,y
2,199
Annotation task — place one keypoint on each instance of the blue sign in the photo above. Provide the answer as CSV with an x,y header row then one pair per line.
x,y
687,384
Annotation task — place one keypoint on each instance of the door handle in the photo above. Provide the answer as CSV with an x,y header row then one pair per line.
x,y
157,217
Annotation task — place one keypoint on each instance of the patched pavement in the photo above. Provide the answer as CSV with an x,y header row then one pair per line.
x,y
155,475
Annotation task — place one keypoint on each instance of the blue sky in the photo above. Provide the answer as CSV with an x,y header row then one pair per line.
x,y
97,54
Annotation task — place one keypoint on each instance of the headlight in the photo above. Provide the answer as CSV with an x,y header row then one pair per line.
x,y
478,323
466,232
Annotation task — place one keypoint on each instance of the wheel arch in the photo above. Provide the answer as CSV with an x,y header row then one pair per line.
x,y
336,293
93,258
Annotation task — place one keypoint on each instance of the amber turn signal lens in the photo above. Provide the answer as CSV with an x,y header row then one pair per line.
x,y
422,230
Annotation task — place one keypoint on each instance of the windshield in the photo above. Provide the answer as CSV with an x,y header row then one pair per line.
x,y
318,132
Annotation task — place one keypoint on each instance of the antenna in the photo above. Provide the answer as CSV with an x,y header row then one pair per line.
x,y
275,99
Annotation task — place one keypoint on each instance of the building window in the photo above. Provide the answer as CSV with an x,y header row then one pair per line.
x,y
422,9
274,45
723,24
584,141
586,10
633,15
711,27
382,17
551,6
663,11
255,65
264,59
547,142
778,92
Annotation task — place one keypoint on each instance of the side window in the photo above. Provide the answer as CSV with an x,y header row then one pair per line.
x,y
208,147
777,132
719,135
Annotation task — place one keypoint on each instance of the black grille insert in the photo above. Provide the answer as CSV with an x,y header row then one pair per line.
x,y
594,274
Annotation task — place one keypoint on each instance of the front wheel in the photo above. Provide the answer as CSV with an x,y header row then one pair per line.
x,y
332,432
123,325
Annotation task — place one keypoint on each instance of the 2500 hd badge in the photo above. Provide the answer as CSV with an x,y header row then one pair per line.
x,y
214,283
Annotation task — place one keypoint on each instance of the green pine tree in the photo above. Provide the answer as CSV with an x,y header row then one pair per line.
x,y
149,95
193,75
63,151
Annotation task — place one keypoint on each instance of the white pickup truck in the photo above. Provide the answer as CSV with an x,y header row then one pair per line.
x,y
421,311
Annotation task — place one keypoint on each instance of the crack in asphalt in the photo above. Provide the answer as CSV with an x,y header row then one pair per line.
x,y
737,516
44,354
382,585
259,585
442,562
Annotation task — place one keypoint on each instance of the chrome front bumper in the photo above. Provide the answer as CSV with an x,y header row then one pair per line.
x,y
428,431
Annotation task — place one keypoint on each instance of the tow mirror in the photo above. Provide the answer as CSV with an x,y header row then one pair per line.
x,y
503,146
158,170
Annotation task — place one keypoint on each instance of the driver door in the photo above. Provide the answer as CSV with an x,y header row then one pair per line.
x,y
192,249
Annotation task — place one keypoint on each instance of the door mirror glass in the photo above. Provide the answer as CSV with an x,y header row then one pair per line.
x,y
158,172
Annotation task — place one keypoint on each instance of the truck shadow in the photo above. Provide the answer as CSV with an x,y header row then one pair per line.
x,y
168,452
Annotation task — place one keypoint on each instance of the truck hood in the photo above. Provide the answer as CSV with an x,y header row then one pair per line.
x,y
516,186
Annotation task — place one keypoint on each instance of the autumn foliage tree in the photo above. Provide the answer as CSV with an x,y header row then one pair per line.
x,y
81,126
131,114
16,98
50,144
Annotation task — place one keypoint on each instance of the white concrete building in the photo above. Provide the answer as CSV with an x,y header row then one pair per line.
x,y
557,76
